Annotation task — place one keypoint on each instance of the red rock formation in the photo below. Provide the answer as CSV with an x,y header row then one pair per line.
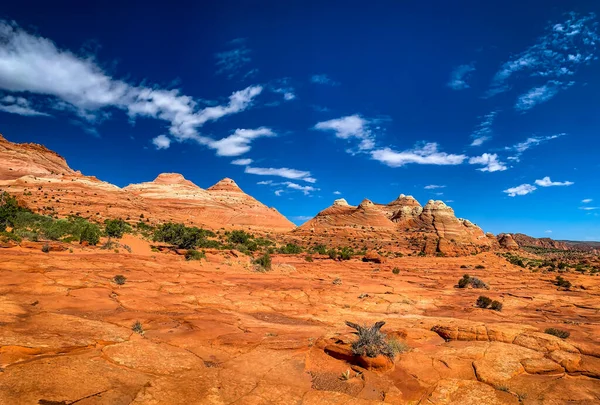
x,y
507,241
42,180
547,243
402,224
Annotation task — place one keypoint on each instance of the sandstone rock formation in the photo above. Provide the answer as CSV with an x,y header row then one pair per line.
x,y
42,180
403,224
507,241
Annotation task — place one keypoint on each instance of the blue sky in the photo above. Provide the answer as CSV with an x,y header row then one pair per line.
x,y
489,106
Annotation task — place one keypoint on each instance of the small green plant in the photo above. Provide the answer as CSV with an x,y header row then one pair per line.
x,y
483,301
396,270
337,281
474,282
309,258
345,375
46,248
563,334
119,279
138,328
496,306
480,266
193,254
264,262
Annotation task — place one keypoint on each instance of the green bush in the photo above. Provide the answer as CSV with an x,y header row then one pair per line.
x,y
46,248
563,334
396,270
483,301
496,306
464,281
291,249
9,208
90,234
320,249
6,236
561,282
480,266
238,237
308,258
332,254
115,228
180,235
119,279
193,254
264,262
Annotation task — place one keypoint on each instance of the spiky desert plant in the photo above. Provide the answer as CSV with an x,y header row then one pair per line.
x,y
371,341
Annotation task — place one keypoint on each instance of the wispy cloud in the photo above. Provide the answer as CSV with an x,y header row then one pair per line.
x,y
426,154
523,189
490,162
483,132
242,162
19,105
230,62
281,172
239,142
546,182
459,76
589,208
323,79
66,81
433,187
555,57
587,201
301,218
337,193
531,142
306,190
349,127
278,192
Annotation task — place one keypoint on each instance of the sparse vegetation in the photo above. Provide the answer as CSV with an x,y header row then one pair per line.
x,y
182,236
138,328
372,342
496,306
308,258
345,376
119,279
474,282
46,248
483,301
396,270
337,281
561,282
480,267
291,249
116,228
563,334
264,262
193,254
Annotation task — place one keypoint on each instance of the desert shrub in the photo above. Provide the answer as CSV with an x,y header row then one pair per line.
x,y
496,306
46,248
480,266
332,254
290,249
474,282
115,228
396,270
9,208
463,266
193,254
90,234
561,282
137,327
264,262
6,236
345,253
563,334
239,237
337,281
181,236
397,346
320,249
309,258
483,301
371,342
119,279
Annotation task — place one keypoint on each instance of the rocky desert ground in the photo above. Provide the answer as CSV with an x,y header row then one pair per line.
x,y
104,299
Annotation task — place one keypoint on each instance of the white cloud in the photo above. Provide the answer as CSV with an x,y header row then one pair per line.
x,y
323,79
537,95
265,182
288,93
548,231
241,162
305,189
546,182
490,161
523,189
351,126
19,105
69,82
521,147
230,62
459,76
426,154
587,201
555,57
162,142
433,187
337,193
281,172
239,142
589,208
483,132
278,192
302,218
